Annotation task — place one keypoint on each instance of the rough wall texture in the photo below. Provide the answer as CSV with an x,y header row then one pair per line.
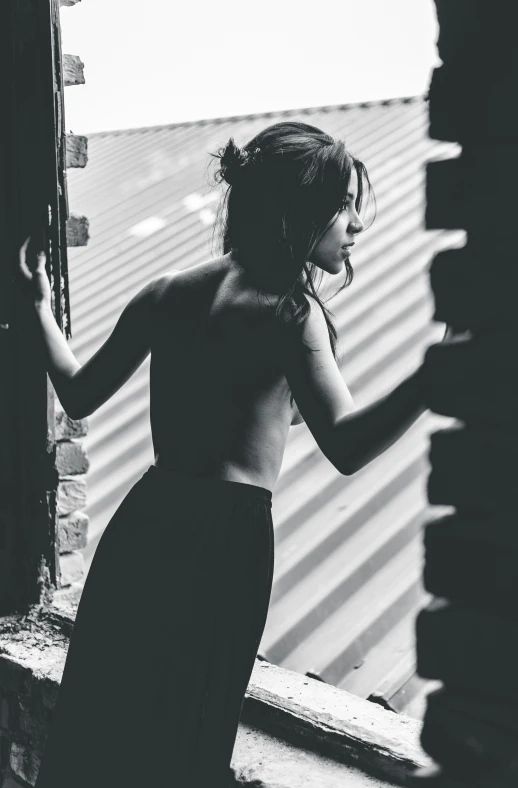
x,y
32,202
293,730
468,636
28,692
72,523
41,454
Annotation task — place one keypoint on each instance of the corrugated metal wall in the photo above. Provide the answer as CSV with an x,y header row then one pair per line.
x,y
348,549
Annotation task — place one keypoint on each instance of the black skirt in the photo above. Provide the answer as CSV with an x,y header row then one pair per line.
x,y
167,631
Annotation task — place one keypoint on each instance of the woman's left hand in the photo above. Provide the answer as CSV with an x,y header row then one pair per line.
x,y
447,334
34,274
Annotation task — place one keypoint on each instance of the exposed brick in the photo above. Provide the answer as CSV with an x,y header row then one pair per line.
x,y
48,691
73,531
479,729
459,551
5,750
72,567
14,677
11,782
469,103
473,468
71,495
468,649
455,387
25,762
462,24
71,458
73,70
4,710
33,719
77,150
445,195
77,230
453,188
465,296
67,428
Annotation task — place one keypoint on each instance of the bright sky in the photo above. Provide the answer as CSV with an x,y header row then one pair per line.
x,y
162,62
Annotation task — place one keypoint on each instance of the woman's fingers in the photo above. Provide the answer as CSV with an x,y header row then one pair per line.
x,y
22,256
26,269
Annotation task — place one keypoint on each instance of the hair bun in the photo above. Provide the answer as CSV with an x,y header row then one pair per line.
x,y
234,160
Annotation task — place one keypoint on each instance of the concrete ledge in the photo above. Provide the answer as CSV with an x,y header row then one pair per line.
x,y
263,761
332,722
294,730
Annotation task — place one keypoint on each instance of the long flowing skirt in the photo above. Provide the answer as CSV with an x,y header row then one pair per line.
x,y
167,631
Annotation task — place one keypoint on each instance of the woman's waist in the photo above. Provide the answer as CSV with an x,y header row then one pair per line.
x,y
225,475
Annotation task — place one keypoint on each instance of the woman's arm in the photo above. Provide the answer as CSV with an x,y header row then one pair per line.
x,y
349,438
372,429
81,389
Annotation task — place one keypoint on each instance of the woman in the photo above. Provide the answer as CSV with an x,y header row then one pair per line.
x,y
241,348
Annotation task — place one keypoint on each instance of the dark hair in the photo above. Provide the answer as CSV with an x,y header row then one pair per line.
x,y
284,187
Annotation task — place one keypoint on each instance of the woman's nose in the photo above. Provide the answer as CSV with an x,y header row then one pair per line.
x,y
356,226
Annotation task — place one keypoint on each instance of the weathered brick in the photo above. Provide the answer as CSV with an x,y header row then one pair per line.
x,y
468,648
452,190
465,296
460,550
77,230
473,468
77,150
4,710
5,749
33,719
462,24
67,428
11,782
445,195
72,567
73,530
25,762
14,677
478,729
454,386
71,458
48,691
469,103
71,495
73,70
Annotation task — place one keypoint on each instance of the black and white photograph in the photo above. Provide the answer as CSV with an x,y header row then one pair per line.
x,y
258,423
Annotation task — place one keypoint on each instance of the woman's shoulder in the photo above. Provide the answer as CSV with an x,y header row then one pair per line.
x,y
169,285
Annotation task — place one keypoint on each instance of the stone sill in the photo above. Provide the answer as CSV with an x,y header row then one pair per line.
x,y
261,760
333,723
291,727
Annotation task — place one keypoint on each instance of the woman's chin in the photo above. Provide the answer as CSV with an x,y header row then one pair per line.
x,y
332,267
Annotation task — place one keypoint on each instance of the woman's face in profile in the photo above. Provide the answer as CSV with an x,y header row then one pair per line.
x,y
334,246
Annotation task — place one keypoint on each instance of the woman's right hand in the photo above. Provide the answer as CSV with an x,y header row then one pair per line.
x,y
34,274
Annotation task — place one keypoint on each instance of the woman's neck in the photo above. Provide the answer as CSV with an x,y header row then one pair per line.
x,y
263,272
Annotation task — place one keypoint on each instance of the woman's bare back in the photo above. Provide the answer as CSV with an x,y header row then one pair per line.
x,y
220,405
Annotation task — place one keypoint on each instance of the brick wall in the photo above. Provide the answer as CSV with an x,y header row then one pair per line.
x,y
30,670
467,638
72,465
